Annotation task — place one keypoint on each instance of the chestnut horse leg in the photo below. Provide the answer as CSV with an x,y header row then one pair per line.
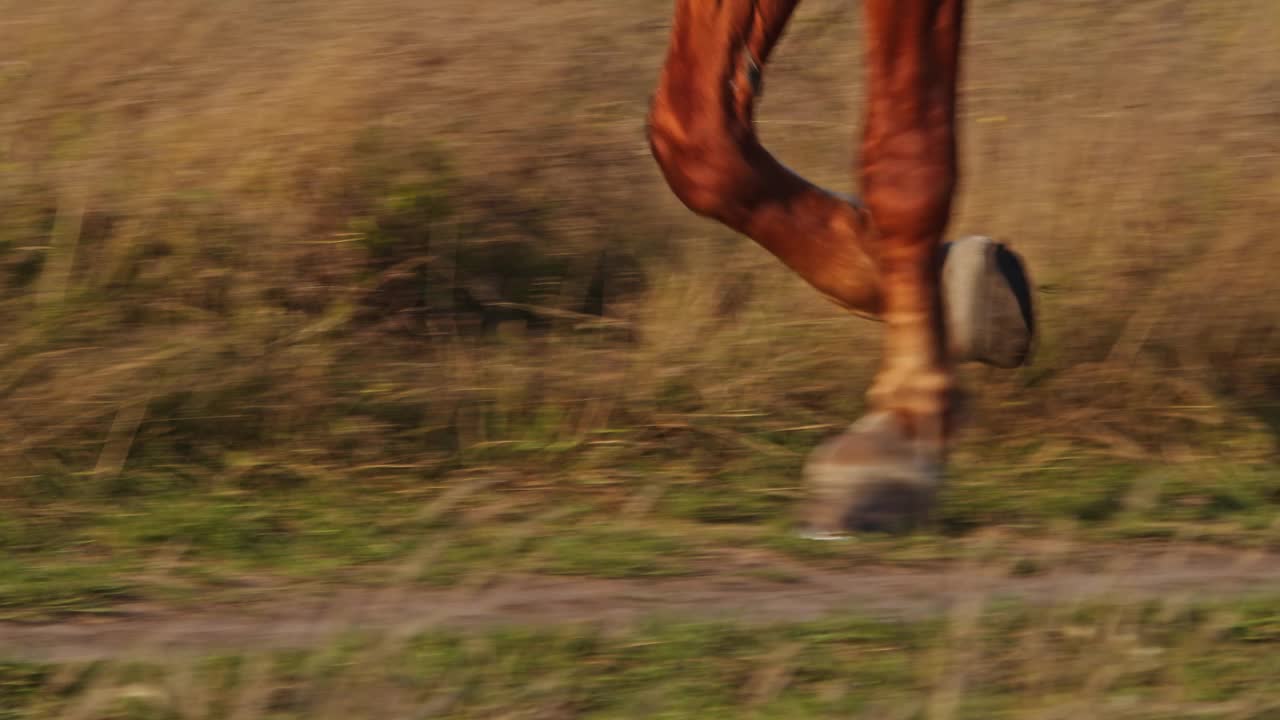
x,y
909,174
883,472
701,133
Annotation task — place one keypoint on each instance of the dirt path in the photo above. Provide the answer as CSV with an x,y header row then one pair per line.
x,y
743,587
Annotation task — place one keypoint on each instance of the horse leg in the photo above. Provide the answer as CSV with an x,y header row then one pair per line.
x,y
909,173
885,470
701,133
882,263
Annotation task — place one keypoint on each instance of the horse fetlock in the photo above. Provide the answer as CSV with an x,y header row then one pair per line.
x,y
924,401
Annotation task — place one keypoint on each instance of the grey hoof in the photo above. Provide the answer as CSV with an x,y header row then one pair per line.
x,y
869,479
987,294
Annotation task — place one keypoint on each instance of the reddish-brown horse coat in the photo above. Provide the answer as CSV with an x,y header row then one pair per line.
x,y
879,260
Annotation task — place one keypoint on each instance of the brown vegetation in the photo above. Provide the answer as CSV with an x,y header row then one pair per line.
x,y
212,206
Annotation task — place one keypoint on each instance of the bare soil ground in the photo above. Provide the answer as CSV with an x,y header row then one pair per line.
x,y
742,586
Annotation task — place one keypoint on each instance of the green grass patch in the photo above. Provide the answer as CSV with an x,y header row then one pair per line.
x,y
74,548
62,586
1105,661
603,551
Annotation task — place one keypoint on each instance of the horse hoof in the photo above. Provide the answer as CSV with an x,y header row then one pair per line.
x,y
871,478
990,318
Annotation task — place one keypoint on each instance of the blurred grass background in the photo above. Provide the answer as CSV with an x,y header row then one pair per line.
x,y
1135,663
289,288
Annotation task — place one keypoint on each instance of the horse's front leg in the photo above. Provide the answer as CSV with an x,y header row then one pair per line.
x,y
702,135
884,472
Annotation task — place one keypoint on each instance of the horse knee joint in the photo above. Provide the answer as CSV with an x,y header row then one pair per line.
x,y
700,174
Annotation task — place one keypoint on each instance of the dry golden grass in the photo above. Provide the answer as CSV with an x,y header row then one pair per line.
x,y
183,176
